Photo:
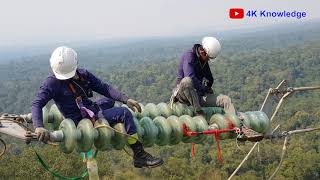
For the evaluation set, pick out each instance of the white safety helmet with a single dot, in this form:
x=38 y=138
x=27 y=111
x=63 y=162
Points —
x=212 y=46
x=64 y=62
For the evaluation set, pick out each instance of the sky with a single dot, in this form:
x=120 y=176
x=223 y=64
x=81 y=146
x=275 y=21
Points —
x=45 y=21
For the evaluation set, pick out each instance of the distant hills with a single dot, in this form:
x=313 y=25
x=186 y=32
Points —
x=274 y=36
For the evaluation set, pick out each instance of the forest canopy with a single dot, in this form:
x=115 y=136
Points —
x=248 y=66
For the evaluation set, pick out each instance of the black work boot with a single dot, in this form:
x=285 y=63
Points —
x=143 y=159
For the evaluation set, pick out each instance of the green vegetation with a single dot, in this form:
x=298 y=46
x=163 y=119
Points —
x=244 y=73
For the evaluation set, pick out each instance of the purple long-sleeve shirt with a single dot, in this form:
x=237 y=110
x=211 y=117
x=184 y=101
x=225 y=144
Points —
x=191 y=66
x=58 y=90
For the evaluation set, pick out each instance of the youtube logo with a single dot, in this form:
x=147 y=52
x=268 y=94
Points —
x=236 y=13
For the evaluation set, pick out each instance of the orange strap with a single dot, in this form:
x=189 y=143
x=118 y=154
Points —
x=78 y=98
x=72 y=88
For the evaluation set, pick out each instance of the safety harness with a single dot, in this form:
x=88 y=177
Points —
x=85 y=112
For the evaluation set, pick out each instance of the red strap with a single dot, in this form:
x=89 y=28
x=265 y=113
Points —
x=230 y=124
x=216 y=137
x=215 y=133
x=73 y=90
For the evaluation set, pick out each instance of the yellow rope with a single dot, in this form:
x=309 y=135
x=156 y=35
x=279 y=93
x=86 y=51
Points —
x=115 y=130
x=52 y=143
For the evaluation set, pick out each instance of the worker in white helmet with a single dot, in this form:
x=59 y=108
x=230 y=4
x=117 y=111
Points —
x=71 y=89
x=194 y=78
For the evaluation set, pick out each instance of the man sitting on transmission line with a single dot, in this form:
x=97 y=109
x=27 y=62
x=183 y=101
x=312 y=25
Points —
x=71 y=87
x=194 y=78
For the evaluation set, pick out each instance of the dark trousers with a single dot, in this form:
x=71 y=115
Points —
x=187 y=94
x=116 y=115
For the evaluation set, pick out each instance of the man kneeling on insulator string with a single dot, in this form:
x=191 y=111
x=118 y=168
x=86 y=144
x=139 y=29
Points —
x=195 y=80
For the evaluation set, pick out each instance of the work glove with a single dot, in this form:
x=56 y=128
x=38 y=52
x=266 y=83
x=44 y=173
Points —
x=42 y=134
x=134 y=105
x=29 y=137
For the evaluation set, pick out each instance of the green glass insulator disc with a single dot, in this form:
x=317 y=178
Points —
x=150 y=131
x=45 y=116
x=201 y=125
x=119 y=140
x=69 y=136
x=189 y=111
x=178 y=109
x=164 y=130
x=220 y=120
x=86 y=134
x=232 y=118
x=56 y=116
x=210 y=111
x=191 y=126
x=217 y=110
x=264 y=122
x=246 y=120
x=254 y=121
x=104 y=134
x=152 y=109
x=164 y=110
x=139 y=129
x=145 y=112
x=176 y=130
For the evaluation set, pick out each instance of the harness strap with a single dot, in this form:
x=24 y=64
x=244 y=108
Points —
x=73 y=89
x=84 y=111
x=192 y=151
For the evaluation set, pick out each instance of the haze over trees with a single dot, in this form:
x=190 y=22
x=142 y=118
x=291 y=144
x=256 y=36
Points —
x=249 y=64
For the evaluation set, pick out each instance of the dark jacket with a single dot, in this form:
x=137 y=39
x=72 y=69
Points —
x=58 y=90
x=191 y=66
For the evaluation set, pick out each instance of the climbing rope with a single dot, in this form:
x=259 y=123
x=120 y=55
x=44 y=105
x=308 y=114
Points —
x=284 y=148
x=117 y=131
x=244 y=159
x=238 y=145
